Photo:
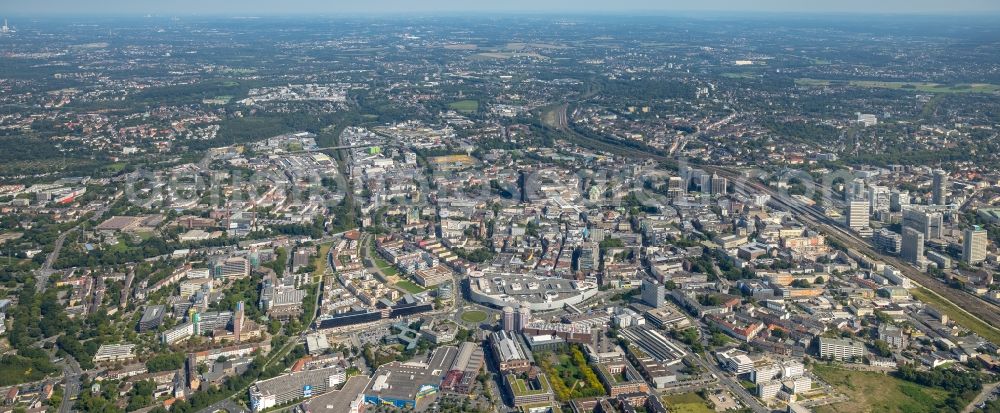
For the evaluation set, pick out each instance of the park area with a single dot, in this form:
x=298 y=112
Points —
x=464 y=106
x=570 y=374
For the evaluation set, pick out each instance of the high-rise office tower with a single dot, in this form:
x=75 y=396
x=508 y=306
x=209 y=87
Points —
x=857 y=215
x=719 y=185
x=508 y=319
x=653 y=293
x=939 y=190
x=879 y=198
x=522 y=316
x=913 y=245
x=974 y=245
x=930 y=223
x=899 y=200
x=855 y=190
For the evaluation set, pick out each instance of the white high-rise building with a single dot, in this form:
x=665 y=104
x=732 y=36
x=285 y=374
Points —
x=857 y=215
x=974 y=245
x=653 y=293
x=879 y=198
x=899 y=200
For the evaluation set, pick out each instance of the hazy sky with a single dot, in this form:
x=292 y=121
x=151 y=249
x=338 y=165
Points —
x=259 y=7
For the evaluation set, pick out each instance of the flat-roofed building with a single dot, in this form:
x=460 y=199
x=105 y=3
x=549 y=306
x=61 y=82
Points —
x=151 y=318
x=527 y=390
x=292 y=386
x=432 y=276
x=410 y=385
x=621 y=378
x=508 y=353
x=233 y=267
x=114 y=353
x=840 y=349
x=349 y=399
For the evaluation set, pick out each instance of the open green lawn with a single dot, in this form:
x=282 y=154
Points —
x=388 y=269
x=465 y=106
x=877 y=392
x=916 y=86
x=409 y=286
x=320 y=262
x=474 y=316
x=115 y=167
x=687 y=403
x=957 y=314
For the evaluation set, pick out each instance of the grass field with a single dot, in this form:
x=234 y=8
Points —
x=475 y=316
x=465 y=106
x=320 y=262
x=957 y=314
x=687 y=403
x=916 y=86
x=388 y=269
x=409 y=286
x=877 y=392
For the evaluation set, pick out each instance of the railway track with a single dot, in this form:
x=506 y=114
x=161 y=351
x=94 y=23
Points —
x=976 y=307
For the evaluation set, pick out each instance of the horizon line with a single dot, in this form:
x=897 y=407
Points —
x=646 y=13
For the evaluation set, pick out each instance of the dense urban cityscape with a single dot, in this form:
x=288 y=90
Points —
x=500 y=213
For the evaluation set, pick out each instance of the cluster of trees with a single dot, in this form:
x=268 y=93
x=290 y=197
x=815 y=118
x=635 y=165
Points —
x=572 y=370
x=313 y=230
x=278 y=265
x=952 y=380
x=165 y=361
x=689 y=336
x=245 y=290
x=478 y=255
x=29 y=364
x=124 y=253
x=141 y=395
x=729 y=271
x=83 y=353
x=801 y=283
x=804 y=131
x=647 y=90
